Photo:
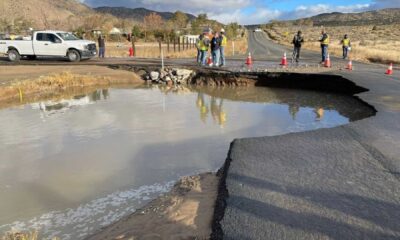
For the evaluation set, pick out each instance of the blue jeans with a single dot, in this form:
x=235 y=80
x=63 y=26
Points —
x=345 y=52
x=203 y=57
x=198 y=56
x=324 y=49
x=102 y=52
x=216 y=57
x=222 y=52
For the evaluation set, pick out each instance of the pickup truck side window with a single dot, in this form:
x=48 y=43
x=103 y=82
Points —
x=40 y=37
x=47 y=37
x=52 y=38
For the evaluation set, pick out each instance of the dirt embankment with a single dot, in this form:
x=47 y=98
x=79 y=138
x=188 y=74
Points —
x=25 y=84
x=184 y=213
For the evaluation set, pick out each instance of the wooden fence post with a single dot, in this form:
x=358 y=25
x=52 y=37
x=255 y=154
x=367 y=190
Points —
x=159 y=45
x=174 y=44
x=179 y=44
x=168 y=44
x=187 y=43
x=133 y=45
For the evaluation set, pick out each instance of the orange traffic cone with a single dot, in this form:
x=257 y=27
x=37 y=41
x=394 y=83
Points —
x=328 y=62
x=210 y=61
x=249 y=60
x=350 y=65
x=284 y=60
x=389 y=71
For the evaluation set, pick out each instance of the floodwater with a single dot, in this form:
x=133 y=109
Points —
x=69 y=167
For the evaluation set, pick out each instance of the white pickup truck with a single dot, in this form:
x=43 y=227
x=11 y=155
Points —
x=48 y=43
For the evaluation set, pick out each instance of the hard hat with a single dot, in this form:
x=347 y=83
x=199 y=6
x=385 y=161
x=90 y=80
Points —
x=222 y=30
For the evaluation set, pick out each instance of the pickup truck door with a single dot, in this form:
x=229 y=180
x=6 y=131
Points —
x=3 y=46
x=48 y=44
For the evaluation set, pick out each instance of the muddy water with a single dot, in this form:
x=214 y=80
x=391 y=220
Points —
x=70 y=167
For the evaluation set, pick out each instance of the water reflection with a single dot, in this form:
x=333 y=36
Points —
x=112 y=150
x=215 y=106
x=63 y=105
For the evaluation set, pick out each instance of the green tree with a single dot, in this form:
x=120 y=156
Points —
x=136 y=32
x=195 y=27
x=232 y=30
x=202 y=18
x=180 y=19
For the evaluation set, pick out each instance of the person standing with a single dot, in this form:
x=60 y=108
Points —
x=224 y=43
x=215 y=49
x=204 y=45
x=198 y=47
x=324 y=45
x=102 y=46
x=297 y=42
x=346 y=46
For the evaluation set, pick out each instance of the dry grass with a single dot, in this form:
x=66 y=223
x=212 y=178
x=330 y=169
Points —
x=53 y=84
x=381 y=44
x=151 y=50
x=22 y=236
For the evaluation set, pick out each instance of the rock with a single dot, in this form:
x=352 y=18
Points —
x=167 y=79
x=142 y=73
x=163 y=73
x=183 y=72
x=154 y=76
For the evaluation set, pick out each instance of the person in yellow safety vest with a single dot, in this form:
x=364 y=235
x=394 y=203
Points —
x=346 y=46
x=204 y=45
x=324 y=40
x=224 y=43
x=198 y=46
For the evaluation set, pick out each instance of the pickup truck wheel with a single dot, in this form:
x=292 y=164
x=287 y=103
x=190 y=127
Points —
x=73 y=56
x=13 y=55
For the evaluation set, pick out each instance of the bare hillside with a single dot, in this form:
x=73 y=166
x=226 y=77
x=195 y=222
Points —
x=137 y=14
x=42 y=13
x=379 y=17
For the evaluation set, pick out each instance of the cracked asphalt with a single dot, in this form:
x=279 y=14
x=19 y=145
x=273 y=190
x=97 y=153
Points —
x=339 y=183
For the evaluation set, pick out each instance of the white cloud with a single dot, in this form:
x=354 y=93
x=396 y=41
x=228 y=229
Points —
x=308 y=11
x=261 y=15
x=192 y=6
x=235 y=10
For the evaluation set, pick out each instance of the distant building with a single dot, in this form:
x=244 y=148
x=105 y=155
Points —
x=191 y=38
x=115 y=31
x=96 y=32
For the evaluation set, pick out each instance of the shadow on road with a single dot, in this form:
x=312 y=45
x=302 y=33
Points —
x=381 y=213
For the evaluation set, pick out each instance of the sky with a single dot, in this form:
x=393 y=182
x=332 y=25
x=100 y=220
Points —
x=251 y=11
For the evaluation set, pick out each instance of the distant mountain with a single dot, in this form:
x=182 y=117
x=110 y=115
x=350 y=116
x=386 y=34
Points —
x=42 y=12
x=378 y=17
x=136 y=14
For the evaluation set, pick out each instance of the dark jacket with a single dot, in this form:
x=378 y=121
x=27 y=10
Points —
x=216 y=43
x=102 y=43
x=298 y=41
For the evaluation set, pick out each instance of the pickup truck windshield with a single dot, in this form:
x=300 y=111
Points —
x=67 y=36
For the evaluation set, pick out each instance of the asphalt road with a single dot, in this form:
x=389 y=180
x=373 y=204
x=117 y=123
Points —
x=263 y=48
x=340 y=183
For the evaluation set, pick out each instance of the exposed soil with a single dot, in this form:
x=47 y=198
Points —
x=184 y=213
x=26 y=84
